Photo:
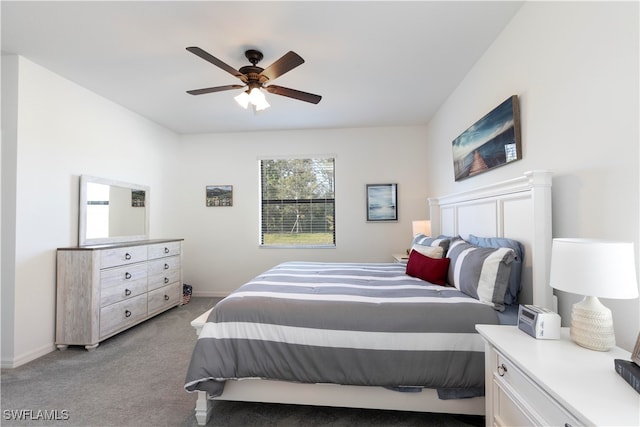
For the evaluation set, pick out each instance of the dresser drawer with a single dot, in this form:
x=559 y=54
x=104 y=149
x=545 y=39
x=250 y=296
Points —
x=164 y=297
x=164 y=279
x=533 y=403
x=122 y=291
x=119 y=315
x=163 y=272
x=115 y=282
x=164 y=265
x=160 y=250
x=121 y=256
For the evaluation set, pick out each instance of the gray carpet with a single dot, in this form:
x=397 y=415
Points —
x=136 y=379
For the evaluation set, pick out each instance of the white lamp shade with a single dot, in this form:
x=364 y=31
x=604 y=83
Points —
x=243 y=100
x=422 y=226
x=597 y=268
x=254 y=97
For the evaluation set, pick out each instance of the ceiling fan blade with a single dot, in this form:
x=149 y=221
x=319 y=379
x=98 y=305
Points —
x=213 y=89
x=218 y=63
x=292 y=93
x=286 y=63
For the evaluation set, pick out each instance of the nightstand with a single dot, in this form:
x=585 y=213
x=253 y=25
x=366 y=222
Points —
x=401 y=258
x=553 y=382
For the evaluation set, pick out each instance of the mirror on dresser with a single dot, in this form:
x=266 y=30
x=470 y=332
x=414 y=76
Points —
x=112 y=211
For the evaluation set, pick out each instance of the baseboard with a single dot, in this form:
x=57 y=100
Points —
x=27 y=357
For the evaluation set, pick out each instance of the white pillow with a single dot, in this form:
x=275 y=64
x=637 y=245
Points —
x=430 y=251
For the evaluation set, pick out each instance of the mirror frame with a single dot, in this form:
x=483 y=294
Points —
x=82 y=223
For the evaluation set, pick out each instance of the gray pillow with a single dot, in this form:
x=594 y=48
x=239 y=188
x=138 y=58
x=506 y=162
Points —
x=513 y=290
x=481 y=273
x=442 y=241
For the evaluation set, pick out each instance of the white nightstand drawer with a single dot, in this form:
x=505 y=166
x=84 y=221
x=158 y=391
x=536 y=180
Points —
x=506 y=411
x=534 y=402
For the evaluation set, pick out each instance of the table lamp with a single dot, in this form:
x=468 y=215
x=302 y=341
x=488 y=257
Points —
x=593 y=268
x=422 y=226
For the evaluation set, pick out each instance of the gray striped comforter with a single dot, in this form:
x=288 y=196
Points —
x=342 y=323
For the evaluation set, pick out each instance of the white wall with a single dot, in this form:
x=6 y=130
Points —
x=221 y=243
x=574 y=66
x=63 y=131
x=7 y=228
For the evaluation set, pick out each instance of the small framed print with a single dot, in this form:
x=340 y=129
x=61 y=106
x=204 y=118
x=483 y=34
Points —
x=635 y=356
x=138 y=198
x=219 y=195
x=382 y=202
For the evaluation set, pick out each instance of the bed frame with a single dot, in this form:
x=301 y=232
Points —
x=520 y=209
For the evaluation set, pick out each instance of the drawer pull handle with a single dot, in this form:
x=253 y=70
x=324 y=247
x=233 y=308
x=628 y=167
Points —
x=127 y=256
x=166 y=266
x=127 y=313
x=127 y=292
x=567 y=425
x=502 y=369
x=166 y=280
x=127 y=275
x=166 y=250
x=166 y=297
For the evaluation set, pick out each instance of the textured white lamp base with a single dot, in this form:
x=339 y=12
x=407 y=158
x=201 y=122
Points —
x=592 y=325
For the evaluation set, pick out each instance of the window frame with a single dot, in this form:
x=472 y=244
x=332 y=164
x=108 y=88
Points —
x=302 y=201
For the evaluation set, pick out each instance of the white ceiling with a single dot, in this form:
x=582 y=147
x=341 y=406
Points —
x=374 y=63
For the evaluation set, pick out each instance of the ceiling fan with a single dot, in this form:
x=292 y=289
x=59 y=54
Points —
x=256 y=78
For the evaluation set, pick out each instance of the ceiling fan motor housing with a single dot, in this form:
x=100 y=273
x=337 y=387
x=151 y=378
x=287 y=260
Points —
x=254 y=56
x=252 y=72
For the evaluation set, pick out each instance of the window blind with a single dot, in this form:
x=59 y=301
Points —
x=297 y=202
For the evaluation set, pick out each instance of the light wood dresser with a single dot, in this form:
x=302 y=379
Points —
x=104 y=289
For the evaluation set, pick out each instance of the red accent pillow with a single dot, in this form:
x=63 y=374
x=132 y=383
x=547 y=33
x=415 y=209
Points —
x=430 y=269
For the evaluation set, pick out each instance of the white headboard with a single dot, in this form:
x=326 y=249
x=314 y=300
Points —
x=518 y=209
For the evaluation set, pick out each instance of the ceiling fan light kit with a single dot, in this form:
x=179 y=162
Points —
x=255 y=78
x=255 y=97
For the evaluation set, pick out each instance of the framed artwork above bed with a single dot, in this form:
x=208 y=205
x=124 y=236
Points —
x=382 y=202
x=492 y=141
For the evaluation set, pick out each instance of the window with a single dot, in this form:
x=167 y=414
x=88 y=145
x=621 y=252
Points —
x=297 y=202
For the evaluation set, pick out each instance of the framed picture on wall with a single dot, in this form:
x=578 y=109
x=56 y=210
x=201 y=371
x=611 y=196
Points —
x=219 y=195
x=382 y=202
x=138 y=198
x=492 y=141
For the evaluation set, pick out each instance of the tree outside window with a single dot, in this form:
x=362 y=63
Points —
x=298 y=204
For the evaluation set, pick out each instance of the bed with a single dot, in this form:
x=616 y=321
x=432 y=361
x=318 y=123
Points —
x=385 y=339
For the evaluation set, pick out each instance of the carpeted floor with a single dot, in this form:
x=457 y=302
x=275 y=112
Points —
x=136 y=379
